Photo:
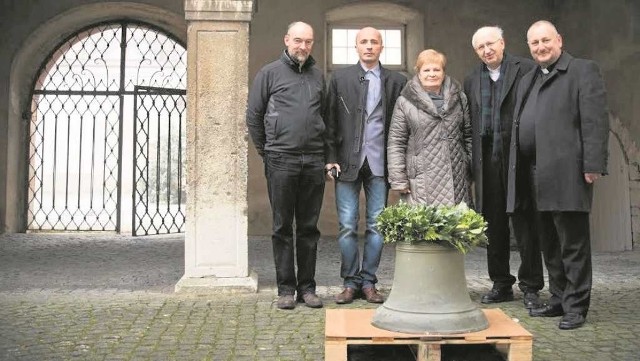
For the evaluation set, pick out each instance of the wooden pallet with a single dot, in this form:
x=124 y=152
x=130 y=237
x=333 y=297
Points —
x=345 y=327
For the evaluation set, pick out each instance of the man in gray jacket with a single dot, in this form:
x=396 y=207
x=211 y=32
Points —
x=284 y=117
x=360 y=103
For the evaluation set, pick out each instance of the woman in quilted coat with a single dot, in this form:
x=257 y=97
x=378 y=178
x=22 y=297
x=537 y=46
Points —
x=429 y=148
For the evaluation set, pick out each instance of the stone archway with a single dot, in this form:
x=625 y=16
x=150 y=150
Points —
x=24 y=69
x=616 y=210
x=611 y=212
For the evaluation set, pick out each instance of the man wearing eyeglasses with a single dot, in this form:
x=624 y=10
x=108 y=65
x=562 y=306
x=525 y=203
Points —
x=284 y=117
x=491 y=89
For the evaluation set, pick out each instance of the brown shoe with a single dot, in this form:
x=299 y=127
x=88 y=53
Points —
x=372 y=295
x=346 y=296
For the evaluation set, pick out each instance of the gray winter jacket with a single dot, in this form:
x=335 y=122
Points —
x=428 y=151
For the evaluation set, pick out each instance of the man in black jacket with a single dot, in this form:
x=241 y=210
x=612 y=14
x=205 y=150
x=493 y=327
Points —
x=284 y=117
x=491 y=89
x=360 y=103
x=559 y=148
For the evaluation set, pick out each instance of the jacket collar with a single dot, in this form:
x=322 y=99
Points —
x=416 y=95
x=285 y=58
x=510 y=65
x=561 y=65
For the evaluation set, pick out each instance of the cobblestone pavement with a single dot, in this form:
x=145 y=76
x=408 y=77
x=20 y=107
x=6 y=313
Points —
x=97 y=297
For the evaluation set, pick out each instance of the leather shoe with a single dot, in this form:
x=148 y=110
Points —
x=372 y=295
x=531 y=300
x=310 y=300
x=346 y=296
x=497 y=295
x=546 y=311
x=571 y=320
x=286 y=302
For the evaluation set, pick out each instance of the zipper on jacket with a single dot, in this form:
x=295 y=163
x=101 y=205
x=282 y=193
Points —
x=345 y=105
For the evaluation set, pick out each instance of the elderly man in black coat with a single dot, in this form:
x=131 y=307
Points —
x=558 y=149
x=491 y=89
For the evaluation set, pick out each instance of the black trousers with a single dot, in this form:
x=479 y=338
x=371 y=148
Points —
x=295 y=185
x=566 y=245
x=567 y=251
x=530 y=274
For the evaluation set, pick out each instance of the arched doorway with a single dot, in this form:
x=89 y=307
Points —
x=610 y=217
x=34 y=51
x=106 y=133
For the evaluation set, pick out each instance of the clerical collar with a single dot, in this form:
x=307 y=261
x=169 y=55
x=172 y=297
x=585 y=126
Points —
x=494 y=73
x=548 y=69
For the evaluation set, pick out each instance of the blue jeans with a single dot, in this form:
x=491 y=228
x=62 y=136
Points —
x=295 y=184
x=348 y=205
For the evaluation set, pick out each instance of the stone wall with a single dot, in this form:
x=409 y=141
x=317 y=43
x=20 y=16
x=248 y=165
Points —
x=608 y=32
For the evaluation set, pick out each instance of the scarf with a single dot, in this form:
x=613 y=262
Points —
x=491 y=127
x=438 y=101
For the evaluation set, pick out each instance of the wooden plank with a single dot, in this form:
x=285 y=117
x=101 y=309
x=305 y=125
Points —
x=335 y=350
x=357 y=323
x=520 y=351
x=429 y=352
x=345 y=327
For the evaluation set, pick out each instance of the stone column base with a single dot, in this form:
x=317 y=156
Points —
x=215 y=285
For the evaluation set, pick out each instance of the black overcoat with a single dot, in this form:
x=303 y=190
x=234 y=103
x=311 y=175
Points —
x=571 y=135
x=516 y=68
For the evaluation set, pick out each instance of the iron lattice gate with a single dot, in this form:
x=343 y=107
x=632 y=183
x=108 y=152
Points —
x=81 y=120
x=159 y=144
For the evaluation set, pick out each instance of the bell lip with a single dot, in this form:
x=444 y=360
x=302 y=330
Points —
x=431 y=333
x=472 y=321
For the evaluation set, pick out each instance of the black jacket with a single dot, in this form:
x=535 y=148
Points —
x=571 y=133
x=284 y=111
x=516 y=67
x=345 y=112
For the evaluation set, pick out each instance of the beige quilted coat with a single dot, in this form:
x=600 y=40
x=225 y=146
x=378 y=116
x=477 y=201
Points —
x=429 y=152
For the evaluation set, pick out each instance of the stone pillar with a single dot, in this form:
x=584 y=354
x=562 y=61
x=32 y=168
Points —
x=216 y=249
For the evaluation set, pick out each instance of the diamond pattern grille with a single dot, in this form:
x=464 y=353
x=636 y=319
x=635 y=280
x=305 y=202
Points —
x=82 y=106
x=159 y=145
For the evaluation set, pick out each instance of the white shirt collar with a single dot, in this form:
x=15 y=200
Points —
x=495 y=73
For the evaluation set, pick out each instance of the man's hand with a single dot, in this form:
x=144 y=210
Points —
x=327 y=169
x=591 y=177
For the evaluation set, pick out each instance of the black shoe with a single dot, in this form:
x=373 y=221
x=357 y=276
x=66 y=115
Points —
x=531 y=300
x=546 y=311
x=497 y=295
x=571 y=320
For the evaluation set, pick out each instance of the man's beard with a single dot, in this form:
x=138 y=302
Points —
x=300 y=57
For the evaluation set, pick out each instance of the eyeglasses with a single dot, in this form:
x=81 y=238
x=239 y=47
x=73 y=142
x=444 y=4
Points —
x=487 y=45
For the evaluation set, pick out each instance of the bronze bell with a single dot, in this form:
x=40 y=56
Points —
x=429 y=293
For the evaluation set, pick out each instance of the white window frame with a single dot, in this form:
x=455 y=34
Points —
x=357 y=25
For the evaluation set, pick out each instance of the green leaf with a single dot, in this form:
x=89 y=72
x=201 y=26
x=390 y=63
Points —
x=457 y=225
